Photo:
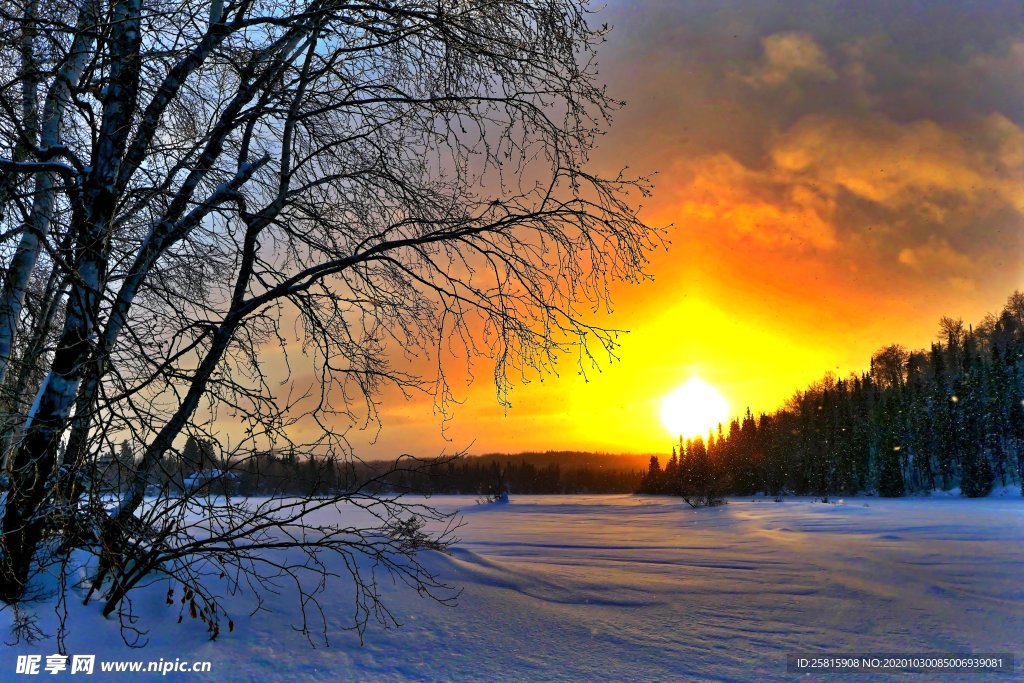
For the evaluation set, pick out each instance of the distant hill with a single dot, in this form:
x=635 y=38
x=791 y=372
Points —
x=565 y=460
x=570 y=460
x=530 y=472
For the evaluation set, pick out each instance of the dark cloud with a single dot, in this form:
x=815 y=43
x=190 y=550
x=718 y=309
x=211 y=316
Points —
x=945 y=61
x=887 y=133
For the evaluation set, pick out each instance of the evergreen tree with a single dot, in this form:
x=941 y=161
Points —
x=890 y=474
x=652 y=481
x=191 y=456
x=670 y=477
x=891 y=483
x=976 y=479
x=699 y=485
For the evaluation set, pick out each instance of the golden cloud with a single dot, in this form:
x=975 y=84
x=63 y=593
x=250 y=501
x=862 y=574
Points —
x=924 y=173
x=936 y=256
x=723 y=195
x=937 y=259
x=788 y=57
x=918 y=165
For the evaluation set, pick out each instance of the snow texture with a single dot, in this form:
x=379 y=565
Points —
x=636 y=588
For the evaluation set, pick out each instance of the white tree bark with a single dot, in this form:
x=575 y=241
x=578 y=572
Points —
x=37 y=228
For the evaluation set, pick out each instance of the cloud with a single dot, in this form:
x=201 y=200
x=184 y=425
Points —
x=938 y=260
x=724 y=196
x=963 y=284
x=1002 y=65
x=918 y=164
x=935 y=256
x=930 y=185
x=790 y=57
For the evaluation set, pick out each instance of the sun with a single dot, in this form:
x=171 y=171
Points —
x=693 y=409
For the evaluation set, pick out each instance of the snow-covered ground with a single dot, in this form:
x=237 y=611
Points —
x=643 y=588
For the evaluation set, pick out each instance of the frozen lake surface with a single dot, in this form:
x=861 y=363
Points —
x=645 y=588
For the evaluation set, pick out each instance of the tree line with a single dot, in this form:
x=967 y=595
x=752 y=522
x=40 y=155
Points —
x=915 y=422
x=200 y=468
x=514 y=475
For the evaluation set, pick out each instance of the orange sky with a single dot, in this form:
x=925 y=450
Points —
x=837 y=176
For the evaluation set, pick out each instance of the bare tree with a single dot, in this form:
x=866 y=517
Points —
x=889 y=366
x=182 y=184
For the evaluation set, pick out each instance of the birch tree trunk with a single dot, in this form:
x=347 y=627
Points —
x=37 y=227
x=33 y=464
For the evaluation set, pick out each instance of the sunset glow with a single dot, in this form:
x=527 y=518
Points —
x=827 y=188
x=693 y=409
